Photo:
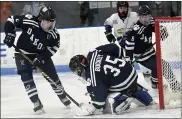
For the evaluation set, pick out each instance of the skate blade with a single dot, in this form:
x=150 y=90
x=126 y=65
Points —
x=40 y=112
x=68 y=107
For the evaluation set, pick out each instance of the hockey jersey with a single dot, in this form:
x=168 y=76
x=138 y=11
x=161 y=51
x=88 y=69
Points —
x=108 y=73
x=138 y=41
x=33 y=38
x=119 y=25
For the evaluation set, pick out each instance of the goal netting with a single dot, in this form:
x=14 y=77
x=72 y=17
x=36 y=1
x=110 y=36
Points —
x=168 y=49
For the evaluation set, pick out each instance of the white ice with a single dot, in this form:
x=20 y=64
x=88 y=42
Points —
x=16 y=104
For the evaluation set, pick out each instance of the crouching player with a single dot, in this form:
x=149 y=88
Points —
x=109 y=79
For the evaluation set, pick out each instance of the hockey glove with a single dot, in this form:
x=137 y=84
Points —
x=163 y=33
x=122 y=43
x=110 y=37
x=9 y=39
x=128 y=59
x=38 y=61
x=89 y=109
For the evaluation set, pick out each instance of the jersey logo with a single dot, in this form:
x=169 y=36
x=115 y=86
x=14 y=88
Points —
x=136 y=27
x=44 y=9
x=27 y=87
x=16 y=20
x=120 y=31
x=115 y=22
x=22 y=62
x=29 y=16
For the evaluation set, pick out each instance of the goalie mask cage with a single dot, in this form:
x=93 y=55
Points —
x=168 y=51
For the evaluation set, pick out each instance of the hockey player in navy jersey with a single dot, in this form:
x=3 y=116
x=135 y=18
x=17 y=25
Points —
x=108 y=76
x=39 y=40
x=138 y=44
x=138 y=40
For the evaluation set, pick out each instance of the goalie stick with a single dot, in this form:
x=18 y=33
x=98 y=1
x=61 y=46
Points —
x=47 y=77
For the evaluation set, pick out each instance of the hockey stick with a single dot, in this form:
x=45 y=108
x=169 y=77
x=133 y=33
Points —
x=46 y=76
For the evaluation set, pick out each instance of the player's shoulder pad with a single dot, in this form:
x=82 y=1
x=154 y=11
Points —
x=30 y=20
x=54 y=33
x=114 y=16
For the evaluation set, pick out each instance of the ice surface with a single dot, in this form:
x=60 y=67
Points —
x=16 y=104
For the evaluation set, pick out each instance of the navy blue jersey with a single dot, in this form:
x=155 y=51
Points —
x=139 y=40
x=33 y=38
x=108 y=73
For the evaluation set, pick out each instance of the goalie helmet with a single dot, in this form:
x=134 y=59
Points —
x=122 y=13
x=47 y=18
x=78 y=64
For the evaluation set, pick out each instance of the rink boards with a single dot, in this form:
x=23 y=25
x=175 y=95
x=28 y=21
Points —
x=72 y=41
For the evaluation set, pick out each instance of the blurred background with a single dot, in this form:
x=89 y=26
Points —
x=84 y=13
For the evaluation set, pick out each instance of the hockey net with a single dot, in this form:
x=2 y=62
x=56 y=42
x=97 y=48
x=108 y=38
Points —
x=168 y=49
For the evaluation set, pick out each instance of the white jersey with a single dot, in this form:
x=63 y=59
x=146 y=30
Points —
x=119 y=26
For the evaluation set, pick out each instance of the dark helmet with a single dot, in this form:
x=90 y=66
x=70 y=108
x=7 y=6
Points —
x=144 y=13
x=47 y=13
x=77 y=64
x=122 y=4
x=144 y=10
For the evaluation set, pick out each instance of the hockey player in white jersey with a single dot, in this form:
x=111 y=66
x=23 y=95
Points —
x=120 y=21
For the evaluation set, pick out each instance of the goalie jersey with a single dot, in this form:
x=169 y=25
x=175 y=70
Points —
x=138 y=40
x=33 y=38
x=108 y=73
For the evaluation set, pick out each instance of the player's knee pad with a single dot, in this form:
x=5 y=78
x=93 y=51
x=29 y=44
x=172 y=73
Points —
x=142 y=96
x=25 y=76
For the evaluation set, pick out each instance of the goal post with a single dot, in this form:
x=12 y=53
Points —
x=168 y=51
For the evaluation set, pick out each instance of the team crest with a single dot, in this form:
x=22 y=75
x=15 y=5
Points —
x=136 y=27
x=115 y=22
x=120 y=31
x=29 y=16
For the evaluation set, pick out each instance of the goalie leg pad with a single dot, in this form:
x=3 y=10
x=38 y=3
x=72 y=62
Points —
x=143 y=97
x=116 y=103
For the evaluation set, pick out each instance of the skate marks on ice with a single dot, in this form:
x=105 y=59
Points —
x=16 y=104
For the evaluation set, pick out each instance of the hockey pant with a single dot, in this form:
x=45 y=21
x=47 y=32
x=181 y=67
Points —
x=151 y=64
